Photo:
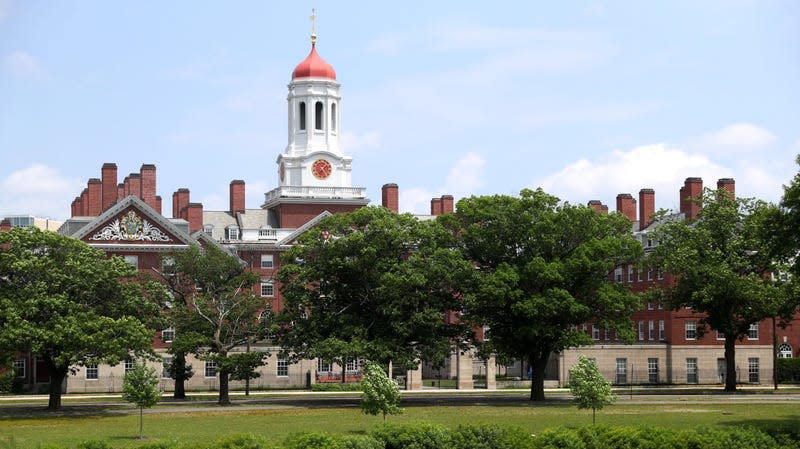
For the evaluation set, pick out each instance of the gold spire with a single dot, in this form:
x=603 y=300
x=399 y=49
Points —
x=313 y=26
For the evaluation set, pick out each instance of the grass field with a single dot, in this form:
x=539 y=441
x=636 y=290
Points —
x=204 y=424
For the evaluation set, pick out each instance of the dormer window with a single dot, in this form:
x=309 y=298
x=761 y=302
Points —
x=232 y=232
x=208 y=229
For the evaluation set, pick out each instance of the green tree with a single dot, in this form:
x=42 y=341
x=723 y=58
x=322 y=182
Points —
x=140 y=387
x=721 y=268
x=783 y=226
x=70 y=305
x=544 y=269
x=372 y=284
x=244 y=364
x=380 y=393
x=589 y=388
x=218 y=310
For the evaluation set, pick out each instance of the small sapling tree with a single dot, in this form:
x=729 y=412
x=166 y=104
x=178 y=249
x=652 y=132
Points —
x=141 y=388
x=381 y=394
x=589 y=388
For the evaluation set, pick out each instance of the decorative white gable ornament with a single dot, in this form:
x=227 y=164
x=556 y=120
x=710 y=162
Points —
x=131 y=227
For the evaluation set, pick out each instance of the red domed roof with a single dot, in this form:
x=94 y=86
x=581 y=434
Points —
x=314 y=67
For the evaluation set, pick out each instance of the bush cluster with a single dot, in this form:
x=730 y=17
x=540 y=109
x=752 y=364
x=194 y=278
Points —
x=431 y=436
x=789 y=370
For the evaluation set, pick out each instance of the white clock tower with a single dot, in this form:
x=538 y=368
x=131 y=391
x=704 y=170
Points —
x=313 y=167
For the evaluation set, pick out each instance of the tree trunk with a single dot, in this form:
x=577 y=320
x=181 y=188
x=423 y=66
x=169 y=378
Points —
x=179 y=369
x=224 y=397
x=57 y=376
x=141 y=422
x=537 y=378
x=730 y=362
x=594 y=412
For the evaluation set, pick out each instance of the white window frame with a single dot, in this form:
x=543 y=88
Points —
x=785 y=351
x=129 y=364
x=232 y=232
x=651 y=330
x=595 y=332
x=208 y=367
x=752 y=333
x=267 y=261
x=19 y=367
x=661 y=331
x=753 y=374
x=267 y=289
x=630 y=273
x=92 y=372
x=691 y=371
x=324 y=366
x=690 y=330
x=132 y=260
x=168 y=335
x=621 y=371
x=618 y=274
x=652 y=370
x=208 y=229
x=641 y=330
x=282 y=368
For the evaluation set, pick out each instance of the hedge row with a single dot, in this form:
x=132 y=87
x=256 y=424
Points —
x=430 y=436
x=789 y=370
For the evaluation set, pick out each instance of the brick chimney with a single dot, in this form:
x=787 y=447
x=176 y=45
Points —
x=75 y=209
x=236 y=196
x=135 y=184
x=120 y=191
x=179 y=201
x=5 y=225
x=147 y=188
x=596 y=205
x=194 y=215
x=647 y=207
x=84 y=202
x=691 y=197
x=95 y=196
x=390 y=197
x=436 y=206
x=729 y=185
x=158 y=205
x=447 y=204
x=126 y=183
x=626 y=205
x=108 y=175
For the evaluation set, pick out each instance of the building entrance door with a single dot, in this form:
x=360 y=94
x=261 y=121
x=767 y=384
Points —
x=722 y=369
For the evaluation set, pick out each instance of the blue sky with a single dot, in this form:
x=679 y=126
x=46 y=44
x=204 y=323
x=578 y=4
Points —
x=585 y=99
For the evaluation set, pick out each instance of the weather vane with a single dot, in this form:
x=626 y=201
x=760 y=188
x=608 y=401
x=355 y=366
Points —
x=313 y=26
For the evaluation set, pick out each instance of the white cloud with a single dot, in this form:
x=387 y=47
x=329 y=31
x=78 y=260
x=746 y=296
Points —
x=215 y=201
x=656 y=166
x=738 y=137
x=23 y=65
x=464 y=178
x=38 y=190
x=352 y=142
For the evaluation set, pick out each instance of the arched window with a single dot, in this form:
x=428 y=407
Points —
x=333 y=117
x=318 y=115
x=265 y=320
x=784 y=351
x=302 y=115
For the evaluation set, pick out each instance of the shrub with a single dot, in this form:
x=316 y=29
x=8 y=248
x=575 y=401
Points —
x=311 y=440
x=558 y=438
x=789 y=370
x=241 y=441
x=491 y=437
x=414 y=436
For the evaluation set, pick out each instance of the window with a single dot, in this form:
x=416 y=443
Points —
x=232 y=232
x=352 y=364
x=132 y=260
x=641 y=275
x=208 y=229
x=282 y=367
x=784 y=351
x=333 y=117
x=168 y=334
x=661 y=334
x=265 y=319
x=92 y=373
x=130 y=364
x=752 y=333
x=691 y=371
x=651 y=330
x=19 y=367
x=266 y=261
x=622 y=371
x=486 y=332
x=631 y=272
x=595 y=332
x=267 y=289
x=302 y=116
x=650 y=304
x=210 y=369
x=720 y=335
x=608 y=334
x=618 y=274
x=323 y=366
x=166 y=362
x=650 y=274
x=690 y=327
x=266 y=232
x=652 y=371
x=318 y=115
x=660 y=306
x=752 y=369
x=641 y=330
x=660 y=274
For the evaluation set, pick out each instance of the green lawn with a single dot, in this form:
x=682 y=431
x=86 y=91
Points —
x=194 y=425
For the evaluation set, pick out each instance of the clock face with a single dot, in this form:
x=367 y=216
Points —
x=321 y=169
x=282 y=171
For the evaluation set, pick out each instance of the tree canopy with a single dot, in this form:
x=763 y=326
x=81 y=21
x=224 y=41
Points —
x=140 y=387
x=372 y=284
x=216 y=309
x=544 y=268
x=70 y=305
x=588 y=387
x=381 y=394
x=722 y=268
